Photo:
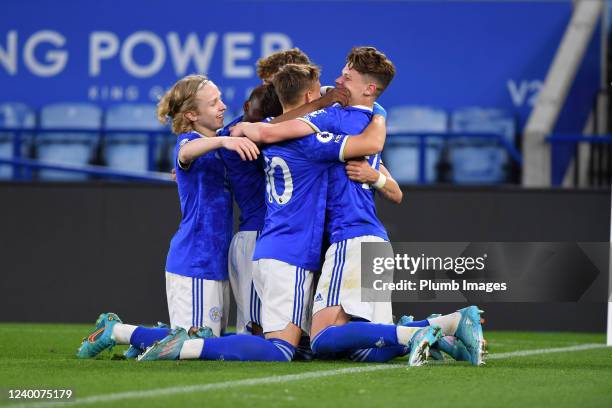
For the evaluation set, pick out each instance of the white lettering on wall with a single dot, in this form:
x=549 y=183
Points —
x=102 y=45
x=8 y=55
x=183 y=54
x=55 y=59
x=525 y=92
x=127 y=54
x=273 y=42
x=44 y=52
x=235 y=49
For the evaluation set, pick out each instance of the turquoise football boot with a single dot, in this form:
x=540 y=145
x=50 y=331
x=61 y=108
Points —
x=434 y=351
x=168 y=348
x=469 y=331
x=421 y=342
x=132 y=352
x=404 y=320
x=100 y=338
x=452 y=346
x=203 y=332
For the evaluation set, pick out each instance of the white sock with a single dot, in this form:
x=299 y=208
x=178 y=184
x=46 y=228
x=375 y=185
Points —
x=404 y=334
x=448 y=323
x=192 y=349
x=122 y=333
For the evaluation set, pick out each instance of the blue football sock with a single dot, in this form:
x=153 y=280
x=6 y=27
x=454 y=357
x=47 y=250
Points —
x=378 y=355
x=144 y=337
x=417 y=323
x=244 y=347
x=354 y=336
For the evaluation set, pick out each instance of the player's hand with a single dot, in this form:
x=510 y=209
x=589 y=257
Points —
x=173 y=174
x=238 y=129
x=339 y=95
x=241 y=145
x=379 y=110
x=361 y=171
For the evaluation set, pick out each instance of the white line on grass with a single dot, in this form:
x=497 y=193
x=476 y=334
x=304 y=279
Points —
x=275 y=379
x=523 y=353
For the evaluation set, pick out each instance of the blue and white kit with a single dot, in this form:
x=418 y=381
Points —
x=289 y=247
x=350 y=220
x=248 y=186
x=197 y=284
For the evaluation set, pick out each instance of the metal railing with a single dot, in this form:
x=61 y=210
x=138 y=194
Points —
x=22 y=135
x=597 y=177
x=422 y=137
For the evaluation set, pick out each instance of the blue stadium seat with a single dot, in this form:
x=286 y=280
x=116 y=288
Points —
x=480 y=161
x=129 y=151
x=68 y=148
x=401 y=155
x=14 y=115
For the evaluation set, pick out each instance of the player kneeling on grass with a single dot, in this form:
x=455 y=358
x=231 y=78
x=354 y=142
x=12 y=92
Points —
x=351 y=219
x=196 y=267
x=290 y=244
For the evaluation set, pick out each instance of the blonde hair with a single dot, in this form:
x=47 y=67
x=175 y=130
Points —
x=178 y=100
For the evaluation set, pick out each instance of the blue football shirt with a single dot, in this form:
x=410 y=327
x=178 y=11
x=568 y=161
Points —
x=200 y=246
x=296 y=195
x=351 y=210
x=248 y=184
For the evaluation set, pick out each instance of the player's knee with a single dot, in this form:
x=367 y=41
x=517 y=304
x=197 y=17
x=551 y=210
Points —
x=330 y=316
x=291 y=334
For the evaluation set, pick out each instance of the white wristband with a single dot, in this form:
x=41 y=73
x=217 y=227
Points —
x=380 y=183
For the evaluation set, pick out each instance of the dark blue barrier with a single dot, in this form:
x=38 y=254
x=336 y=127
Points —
x=19 y=132
x=98 y=171
x=423 y=136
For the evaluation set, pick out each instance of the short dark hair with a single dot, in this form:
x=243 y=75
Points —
x=268 y=66
x=373 y=63
x=292 y=80
x=270 y=104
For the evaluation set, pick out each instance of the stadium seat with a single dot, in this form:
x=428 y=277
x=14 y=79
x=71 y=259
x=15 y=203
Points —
x=129 y=151
x=68 y=148
x=401 y=154
x=480 y=161
x=14 y=115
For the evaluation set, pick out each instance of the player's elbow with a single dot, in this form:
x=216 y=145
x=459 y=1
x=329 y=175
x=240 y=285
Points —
x=373 y=147
x=185 y=156
x=397 y=197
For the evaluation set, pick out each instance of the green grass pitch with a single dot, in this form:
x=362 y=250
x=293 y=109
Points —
x=39 y=356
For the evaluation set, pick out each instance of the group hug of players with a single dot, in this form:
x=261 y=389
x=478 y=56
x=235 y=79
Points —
x=303 y=169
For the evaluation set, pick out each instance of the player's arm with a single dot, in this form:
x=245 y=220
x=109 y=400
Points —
x=334 y=95
x=371 y=141
x=361 y=172
x=195 y=148
x=272 y=133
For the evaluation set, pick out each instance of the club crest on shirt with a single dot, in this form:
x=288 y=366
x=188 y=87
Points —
x=324 y=137
x=215 y=314
x=183 y=142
